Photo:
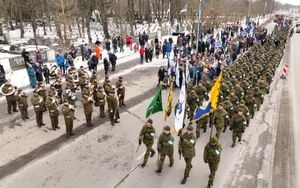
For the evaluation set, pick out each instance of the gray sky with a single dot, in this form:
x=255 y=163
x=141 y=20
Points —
x=293 y=2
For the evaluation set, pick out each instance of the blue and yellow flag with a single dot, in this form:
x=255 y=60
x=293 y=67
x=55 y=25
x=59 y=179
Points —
x=212 y=103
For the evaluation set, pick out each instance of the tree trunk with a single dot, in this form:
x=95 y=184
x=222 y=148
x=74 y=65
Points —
x=88 y=29
x=21 y=21
x=103 y=18
x=1 y=29
x=83 y=26
x=58 y=29
x=78 y=27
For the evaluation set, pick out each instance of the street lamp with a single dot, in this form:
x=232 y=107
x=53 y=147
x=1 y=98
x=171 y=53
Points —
x=198 y=25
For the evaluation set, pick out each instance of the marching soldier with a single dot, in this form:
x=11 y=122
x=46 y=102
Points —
x=147 y=136
x=23 y=105
x=113 y=107
x=238 y=126
x=192 y=100
x=120 y=91
x=38 y=105
x=9 y=91
x=165 y=147
x=227 y=105
x=87 y=102
x=219 y=120
x=212 y=155
x=52 y=105
x=250 y=103
x=68 y=112
x=186 y=148
x=101 y=99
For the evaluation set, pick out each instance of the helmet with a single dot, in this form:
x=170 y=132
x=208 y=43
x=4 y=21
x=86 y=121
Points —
x=189 y=128
x=150 y=121
x=167 y=128
x=213 y=141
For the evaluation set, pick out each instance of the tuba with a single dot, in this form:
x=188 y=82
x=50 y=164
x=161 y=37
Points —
x=10 y=91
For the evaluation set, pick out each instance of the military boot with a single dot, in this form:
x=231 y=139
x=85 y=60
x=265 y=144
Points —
x=158 y=171
x=152 y=153
x=143 y=164
x=183 y=180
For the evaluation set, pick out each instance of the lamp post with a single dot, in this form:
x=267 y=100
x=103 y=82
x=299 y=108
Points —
x=198 y=25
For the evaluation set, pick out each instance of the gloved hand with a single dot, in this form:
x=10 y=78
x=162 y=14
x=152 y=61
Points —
x=205 y=161
x=140 y=141
x=230 y=128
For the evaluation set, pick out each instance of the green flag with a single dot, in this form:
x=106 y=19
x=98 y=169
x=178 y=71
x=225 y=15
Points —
x=156 y=104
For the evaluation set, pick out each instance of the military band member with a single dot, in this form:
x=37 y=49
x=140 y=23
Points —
x=9 y=91
x=113 y=107
x=52 y=106
x=87 y=102
x=120 y=91
x=68 y=112
x=23 y=105
x=101 y=99
x=38 y=105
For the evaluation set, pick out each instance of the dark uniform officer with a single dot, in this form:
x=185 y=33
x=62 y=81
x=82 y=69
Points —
x=113 y=107
x=87 y=102
x=23 y=105
x=120 y=91
x=165 y=147
x=212 y=155
x=238 y=125
x=68 y=112
x=101 y=99
x=147 y=136
x=187 y=149
x=38 y=105
x=52 y=105
x=10 y=99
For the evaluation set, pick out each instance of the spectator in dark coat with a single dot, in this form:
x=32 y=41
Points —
x=39 y=72
x=106 y=66
x=2 y=75
x=46 y=73
x=113 y=61
x=161 y=74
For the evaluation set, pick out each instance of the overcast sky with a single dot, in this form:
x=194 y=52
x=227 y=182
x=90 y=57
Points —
x=293 y=2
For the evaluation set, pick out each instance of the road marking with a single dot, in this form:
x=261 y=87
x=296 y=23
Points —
x=140 y=156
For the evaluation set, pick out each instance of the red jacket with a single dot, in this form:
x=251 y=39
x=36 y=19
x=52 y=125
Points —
x=142 y=51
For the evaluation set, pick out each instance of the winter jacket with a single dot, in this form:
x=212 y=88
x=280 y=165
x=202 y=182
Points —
x=60 y=60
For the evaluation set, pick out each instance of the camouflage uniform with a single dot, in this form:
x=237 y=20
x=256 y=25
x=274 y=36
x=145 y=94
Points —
x=147 y=136
x=165 y=147
x=212 y=155
x=219 y=120
x=187 y=149
x=238 y=127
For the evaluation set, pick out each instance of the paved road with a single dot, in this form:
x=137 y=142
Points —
x=292 y=96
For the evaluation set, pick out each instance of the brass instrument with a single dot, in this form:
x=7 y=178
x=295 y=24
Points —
x=11 y=90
